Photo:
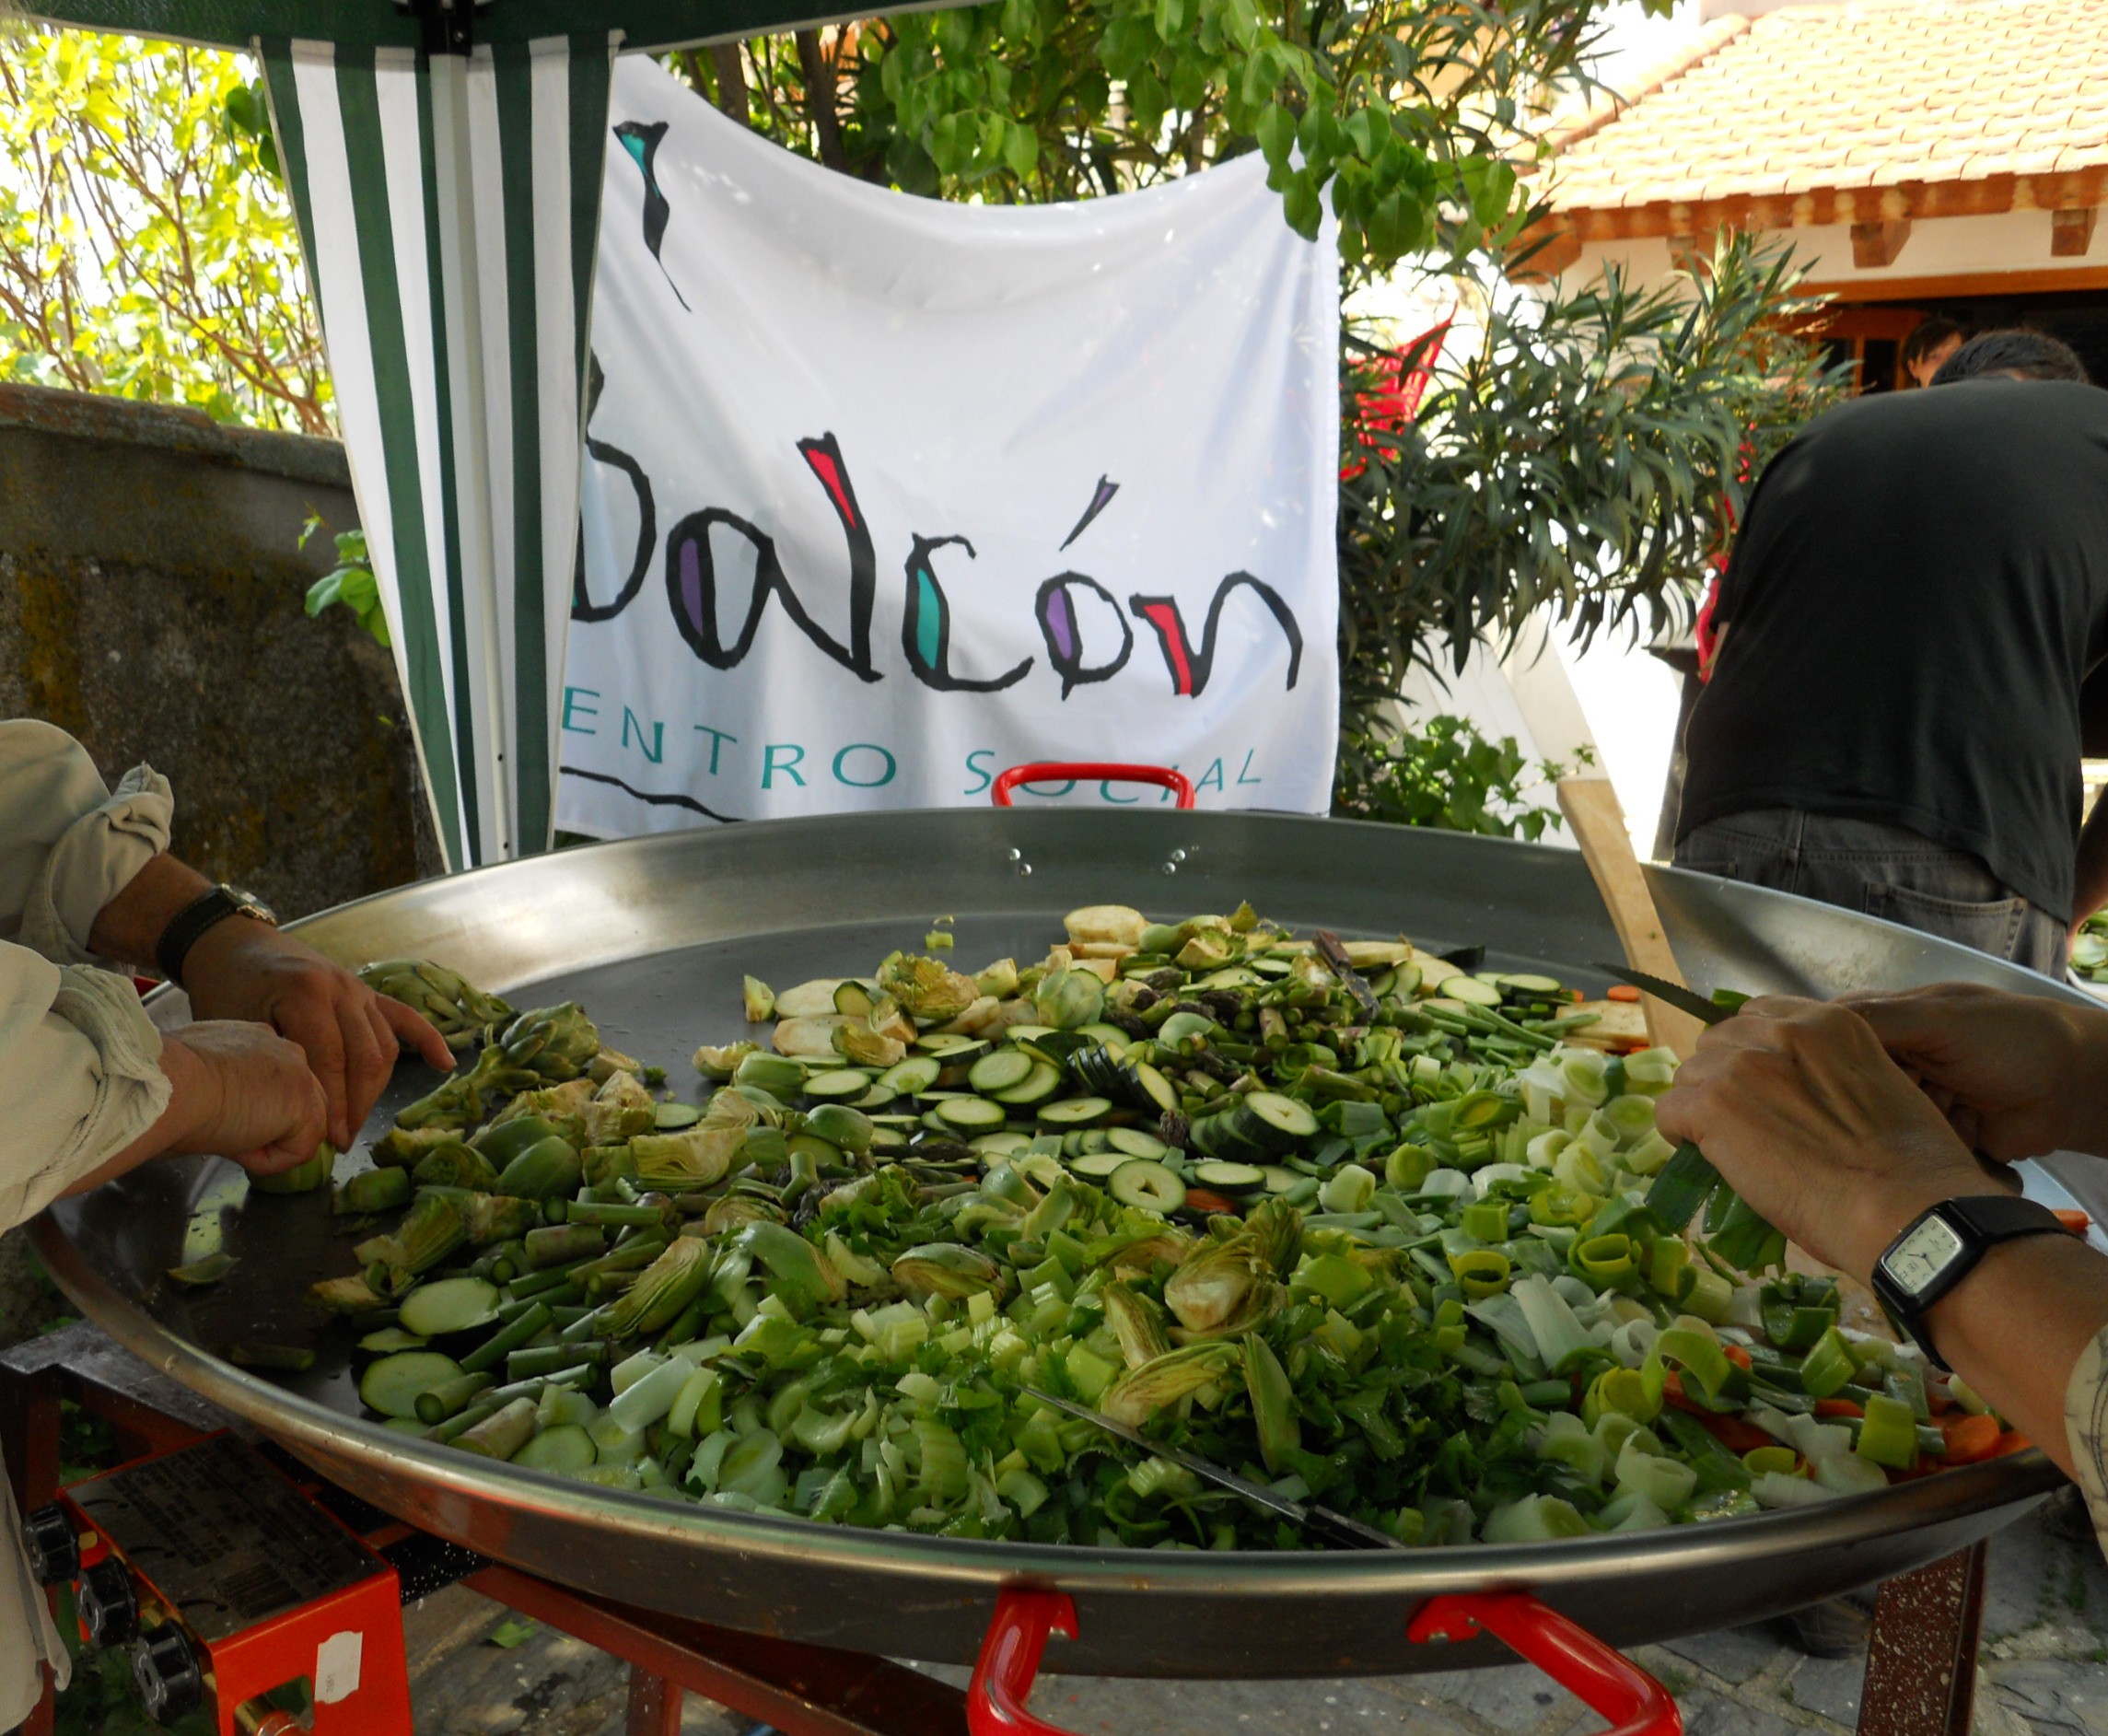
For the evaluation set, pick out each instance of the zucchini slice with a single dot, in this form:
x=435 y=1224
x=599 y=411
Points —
x=972 y=1114
x=878 y=1097
x=1040 y=1084
x=852 y=997
x=565 y=1448
x=1000 y=1145
x=1098 y=1165
x=1149 y=1186
x=449 y=1305
x=1000 y=1069
x=1278 y=1180
x=1274 y=1122
x=1135 y=1143
x=1229 y=1178
x=839 y=1083
x=912 y=1075
x=1159 y=1090
x=954 y=1050
x=1525 y=983
x=673 y=1117
x=1110 y=1034
x=391 y=1384
x=1076 y=1111
x=1472 y=992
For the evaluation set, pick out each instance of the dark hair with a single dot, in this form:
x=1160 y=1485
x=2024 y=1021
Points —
x=1927 y=336
x=2028 y=355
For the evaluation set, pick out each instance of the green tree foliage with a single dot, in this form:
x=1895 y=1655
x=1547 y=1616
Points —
x=1406 y=118
x=145 y=249
x=1590 y=454
x=1446 y=774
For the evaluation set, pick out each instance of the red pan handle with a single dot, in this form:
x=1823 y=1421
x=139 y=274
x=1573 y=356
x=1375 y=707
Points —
x=1010 y=1655
x=1633 y=1701
x=1091 y=771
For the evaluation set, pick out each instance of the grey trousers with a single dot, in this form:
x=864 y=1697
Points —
x=1886 y=871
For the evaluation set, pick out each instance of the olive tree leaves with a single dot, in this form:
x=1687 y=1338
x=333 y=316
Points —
x=1590 y=454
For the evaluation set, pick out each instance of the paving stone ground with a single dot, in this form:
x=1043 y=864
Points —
x=2044 y=1673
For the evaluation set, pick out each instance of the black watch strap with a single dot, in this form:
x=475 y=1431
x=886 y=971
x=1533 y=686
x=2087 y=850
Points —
x=1982 y=1221
x=188 y=926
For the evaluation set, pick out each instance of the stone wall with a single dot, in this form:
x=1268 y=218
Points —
x=151 y=603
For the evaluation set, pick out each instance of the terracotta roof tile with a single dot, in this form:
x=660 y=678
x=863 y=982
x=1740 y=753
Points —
x=1873 y=93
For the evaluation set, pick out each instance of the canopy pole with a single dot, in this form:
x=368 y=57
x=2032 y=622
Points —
x=461 y=287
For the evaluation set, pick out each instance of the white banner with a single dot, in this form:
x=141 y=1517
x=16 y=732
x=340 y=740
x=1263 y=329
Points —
x=885 y=495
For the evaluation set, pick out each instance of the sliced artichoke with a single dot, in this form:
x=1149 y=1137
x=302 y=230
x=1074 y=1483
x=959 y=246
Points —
x=1069 y=998
x=722 y=1063
x=1137 y=1323
x=1141 y=1392
x=929 y=991
x=695 y=1157
x=662 y=1290
x=856 y=1041
x=999 y=980
x=948 y=1269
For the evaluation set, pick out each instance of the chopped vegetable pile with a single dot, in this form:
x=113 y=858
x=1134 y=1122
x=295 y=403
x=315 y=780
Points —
x=2090 y=951
x=1402 y=1262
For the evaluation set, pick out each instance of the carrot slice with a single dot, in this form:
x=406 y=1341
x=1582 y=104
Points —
x=1621 y=991
x=2077 y=1222
x=2012 y=1440
x=1837 y=1407
x=1738 y=1356
x=1201 y=1199
x=1970 y=1438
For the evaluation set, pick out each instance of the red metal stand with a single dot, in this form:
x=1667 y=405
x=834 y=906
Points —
x=1091 y=771
x=1607 y=1680
x=1633 y=1701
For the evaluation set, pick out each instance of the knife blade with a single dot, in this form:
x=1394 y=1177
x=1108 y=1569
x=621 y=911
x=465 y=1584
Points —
x=1306 y=1516
x=1685 y=1000
x=1328 y=943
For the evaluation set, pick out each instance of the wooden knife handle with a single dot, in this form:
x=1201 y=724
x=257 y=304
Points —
x=1592 y=807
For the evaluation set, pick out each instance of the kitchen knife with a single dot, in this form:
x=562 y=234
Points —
x=1335 y=955
x=1309 y=1517
x=1685 y=1000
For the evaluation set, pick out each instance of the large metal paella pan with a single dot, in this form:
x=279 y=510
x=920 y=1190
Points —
x=653 y=937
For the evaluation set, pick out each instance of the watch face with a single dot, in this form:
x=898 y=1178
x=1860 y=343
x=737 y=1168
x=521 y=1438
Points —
x=249 y=904
x=1922 y=1255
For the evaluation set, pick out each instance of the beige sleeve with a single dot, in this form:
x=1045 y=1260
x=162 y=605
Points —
x=69 y=845
x=2086 y=1426
x=80 y=1076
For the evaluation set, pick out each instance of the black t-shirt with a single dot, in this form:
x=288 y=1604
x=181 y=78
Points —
x=1919 y=590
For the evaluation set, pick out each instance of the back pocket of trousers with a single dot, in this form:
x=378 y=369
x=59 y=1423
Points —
x=1992 y=927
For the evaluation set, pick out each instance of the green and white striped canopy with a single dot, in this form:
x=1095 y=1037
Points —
x=449 y=207
x=446 y=181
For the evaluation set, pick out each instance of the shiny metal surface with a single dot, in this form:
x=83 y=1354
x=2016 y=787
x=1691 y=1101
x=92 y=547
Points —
x=653 y=936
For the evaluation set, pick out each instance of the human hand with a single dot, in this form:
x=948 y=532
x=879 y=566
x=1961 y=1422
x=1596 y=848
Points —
x=1798 y=1106
x=245 y=970
x=241 y=1091
x=2015 y=1075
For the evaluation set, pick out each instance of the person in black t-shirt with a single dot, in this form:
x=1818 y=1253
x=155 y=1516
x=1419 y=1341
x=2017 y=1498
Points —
x=1918 y=593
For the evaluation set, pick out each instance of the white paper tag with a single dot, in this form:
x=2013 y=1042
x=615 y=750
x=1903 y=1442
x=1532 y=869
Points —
x=337 y=1660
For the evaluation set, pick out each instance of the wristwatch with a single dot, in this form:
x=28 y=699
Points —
x=1940 y=1246
x=189 y=925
